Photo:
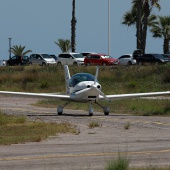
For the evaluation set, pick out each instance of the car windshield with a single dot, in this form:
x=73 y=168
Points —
x=46 y=56
x=78 y=55
x=106 y=56
x=77 y=78
x=160 y=56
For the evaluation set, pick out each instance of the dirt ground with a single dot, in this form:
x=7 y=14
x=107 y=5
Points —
x=145 y=143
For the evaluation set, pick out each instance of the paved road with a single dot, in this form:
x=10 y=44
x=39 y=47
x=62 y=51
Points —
x=145 y=143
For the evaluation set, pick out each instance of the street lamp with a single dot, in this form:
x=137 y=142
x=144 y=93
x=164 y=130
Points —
x=108 y=27
x=9 y=47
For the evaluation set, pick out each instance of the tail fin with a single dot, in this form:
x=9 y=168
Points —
x=67 y=78
x=97 y=72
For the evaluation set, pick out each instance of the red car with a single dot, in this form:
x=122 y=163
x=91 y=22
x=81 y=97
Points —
x=100 y=59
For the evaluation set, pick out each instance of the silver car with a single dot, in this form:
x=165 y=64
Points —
x=70 y=59
x=126 y=59
x=41 y=59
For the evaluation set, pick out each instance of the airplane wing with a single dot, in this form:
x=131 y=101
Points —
x=134 y=95
x=37 y=95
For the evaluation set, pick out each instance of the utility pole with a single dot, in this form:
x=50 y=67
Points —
x=108 y=27
x=9 y=48
x=73 y=28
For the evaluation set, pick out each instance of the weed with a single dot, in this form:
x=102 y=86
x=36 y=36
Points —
x=121 y=163
x=127 y=126
x=94 y=124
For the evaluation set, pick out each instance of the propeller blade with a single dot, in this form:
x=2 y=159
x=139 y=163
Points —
x=103 y=95
x=83 y=90
x=96 y=76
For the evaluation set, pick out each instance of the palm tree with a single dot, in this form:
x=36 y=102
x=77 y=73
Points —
x=19 y=50
x=147 y=8
x=162 y=30
x=140 y=14
x=73 y=27
x=64 y=45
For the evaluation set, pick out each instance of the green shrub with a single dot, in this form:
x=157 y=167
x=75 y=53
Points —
x=121 y=163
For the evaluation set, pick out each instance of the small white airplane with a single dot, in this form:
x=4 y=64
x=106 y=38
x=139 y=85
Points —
x=83 y=87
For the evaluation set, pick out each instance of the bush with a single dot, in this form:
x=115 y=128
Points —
x=121 y=163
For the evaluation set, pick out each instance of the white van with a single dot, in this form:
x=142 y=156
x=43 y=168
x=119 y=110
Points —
x=70 y=59
x=41 y=59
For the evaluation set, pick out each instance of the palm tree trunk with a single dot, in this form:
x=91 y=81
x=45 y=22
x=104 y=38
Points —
x=166 y=45
x=145 y=25
x=138 y=24
x=73 y=28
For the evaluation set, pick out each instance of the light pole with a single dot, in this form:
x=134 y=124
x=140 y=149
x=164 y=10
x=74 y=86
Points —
x=9 y=47
x=108 y=27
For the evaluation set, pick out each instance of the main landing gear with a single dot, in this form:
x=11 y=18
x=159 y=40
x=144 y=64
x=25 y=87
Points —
x=106 y=109
x=60 y=108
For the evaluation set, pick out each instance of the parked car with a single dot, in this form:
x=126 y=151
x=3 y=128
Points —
x=41 y=59
x=152 y=59
x=17 y=60
x=100 y=59
x=70 y=59
x=127 y=59
x=86 y=53
x=54 y=56
x=137 y=53
x=167 y=54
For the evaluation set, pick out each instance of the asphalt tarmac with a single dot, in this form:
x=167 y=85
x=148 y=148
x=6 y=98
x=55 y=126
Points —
x=145 y=143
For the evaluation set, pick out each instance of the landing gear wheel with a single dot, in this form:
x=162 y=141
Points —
x=60 y=110
x=90 y=109
x=106 y=110
x=90 y=114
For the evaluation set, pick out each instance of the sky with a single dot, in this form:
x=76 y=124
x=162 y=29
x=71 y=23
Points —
x=37 y=24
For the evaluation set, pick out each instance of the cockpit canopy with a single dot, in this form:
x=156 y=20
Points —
x=77 y=78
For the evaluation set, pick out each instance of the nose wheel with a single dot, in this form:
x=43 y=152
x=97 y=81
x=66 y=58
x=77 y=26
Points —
x=90 y=109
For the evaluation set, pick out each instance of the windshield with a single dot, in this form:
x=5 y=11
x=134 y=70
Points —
x=78 y=55
x=77 y=78
x=46 y=56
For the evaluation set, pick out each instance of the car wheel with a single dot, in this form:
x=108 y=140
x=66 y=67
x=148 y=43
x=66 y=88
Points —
x=104 y=64
x=59 y=64
x=75 y=63
x=129 y=63
x=140 y=63
x=43 y=64
x=87 y=64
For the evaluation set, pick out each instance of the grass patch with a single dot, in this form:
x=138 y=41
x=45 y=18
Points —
x=121 y=163
x=114 y=80
x=94 y=124
x=15 y=130
x=138 y=106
